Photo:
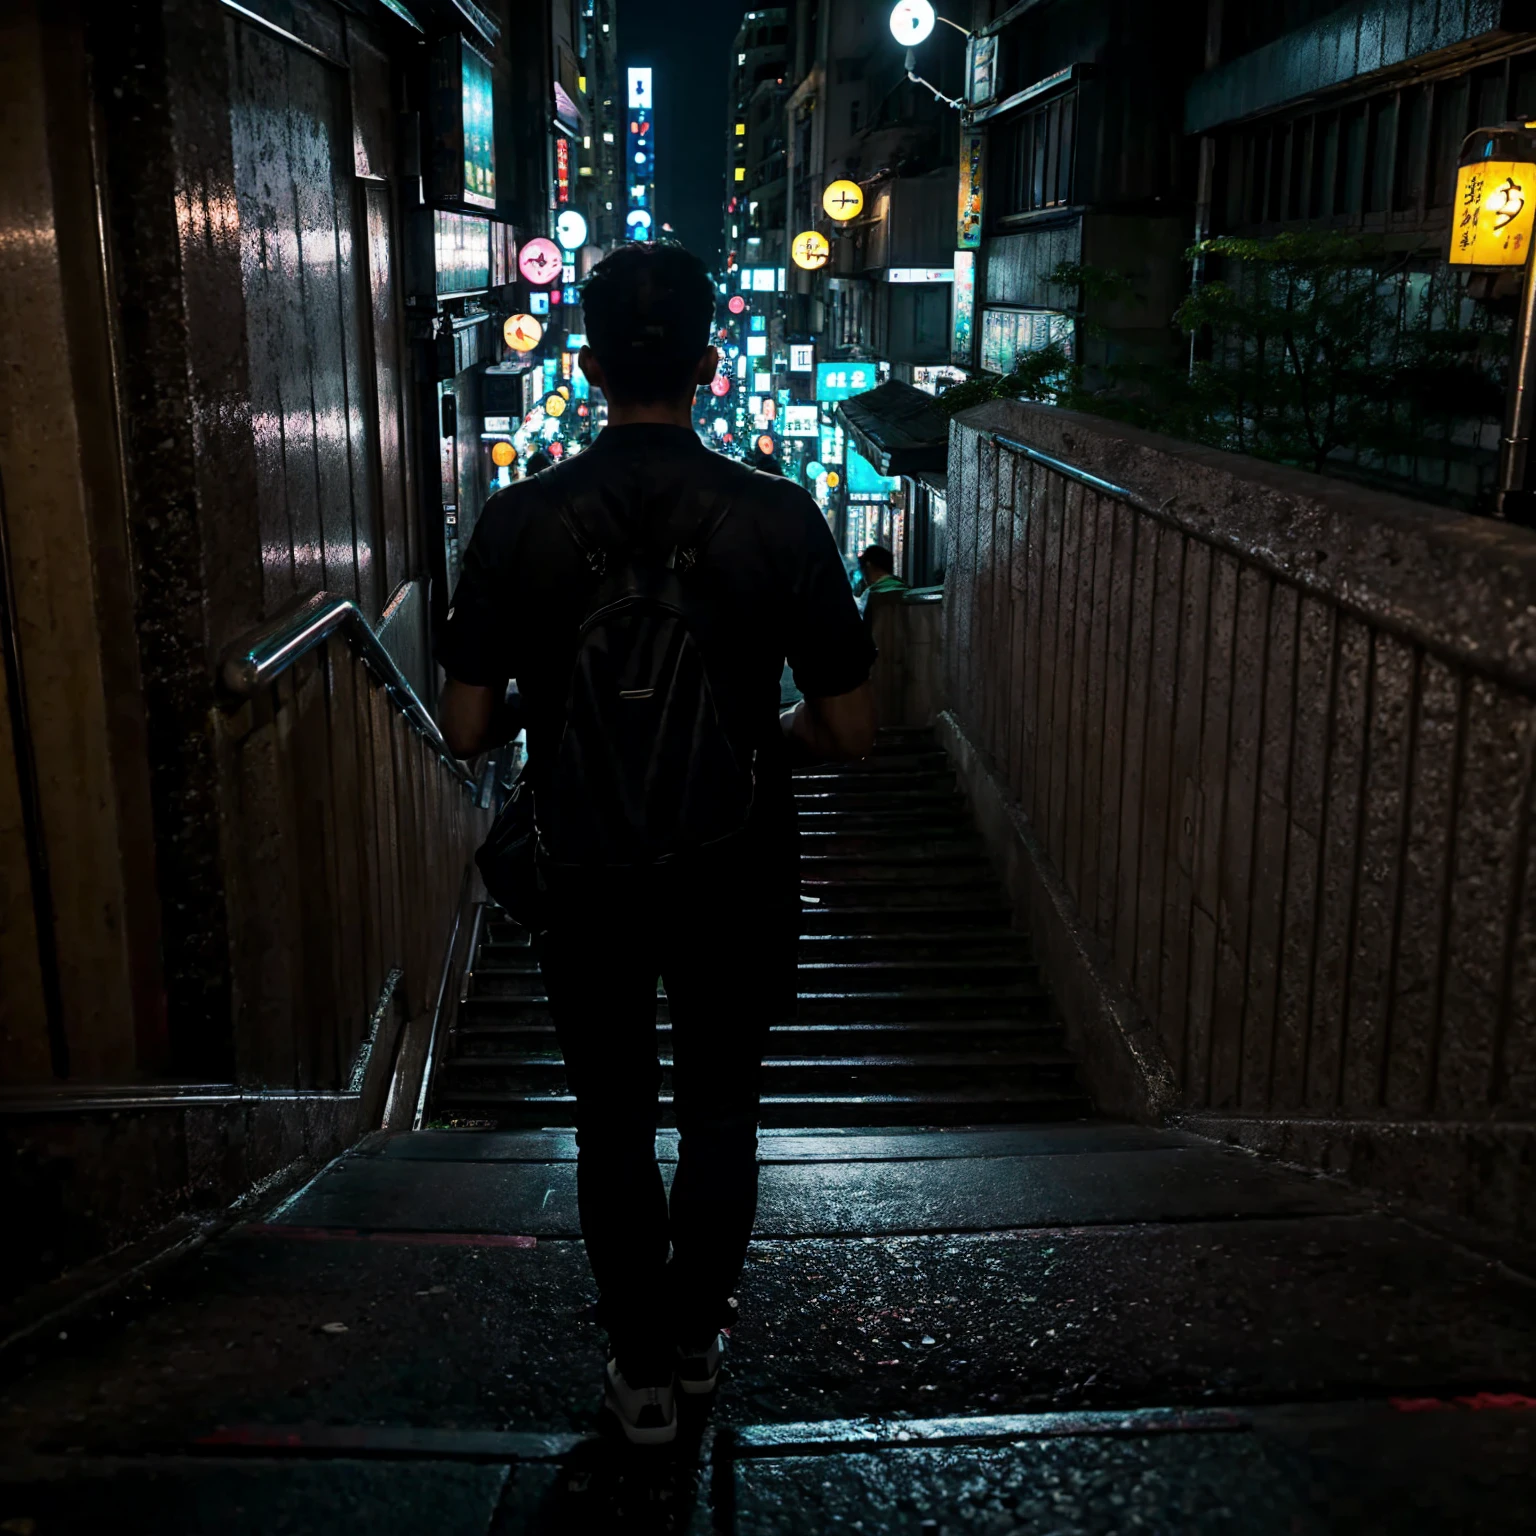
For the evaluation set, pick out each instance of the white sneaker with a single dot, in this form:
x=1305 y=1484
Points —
x=647 y=1415
x=698 y=1370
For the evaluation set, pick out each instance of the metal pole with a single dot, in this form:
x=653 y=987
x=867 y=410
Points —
x=1517 y=498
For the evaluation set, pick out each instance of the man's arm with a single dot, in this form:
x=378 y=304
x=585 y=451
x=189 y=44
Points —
x=840 y=728
x=468 y=718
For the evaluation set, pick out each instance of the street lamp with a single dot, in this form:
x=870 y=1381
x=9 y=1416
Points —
x=1491 y=228
x=912 y=22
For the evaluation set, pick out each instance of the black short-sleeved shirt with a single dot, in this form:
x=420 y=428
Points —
x=782 y=589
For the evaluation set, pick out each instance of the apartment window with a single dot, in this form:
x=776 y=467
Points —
x=741 y=173
x=853 y=115
x=1034 y=158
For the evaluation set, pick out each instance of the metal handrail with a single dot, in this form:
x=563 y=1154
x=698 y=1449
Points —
x=266 y=653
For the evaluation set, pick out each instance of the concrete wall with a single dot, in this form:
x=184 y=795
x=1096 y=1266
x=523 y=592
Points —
x=1267 y=745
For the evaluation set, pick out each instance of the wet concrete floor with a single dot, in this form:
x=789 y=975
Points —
x=1054 y=1329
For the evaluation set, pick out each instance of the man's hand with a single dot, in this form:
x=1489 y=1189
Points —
x=840 y=727
x=467 y=717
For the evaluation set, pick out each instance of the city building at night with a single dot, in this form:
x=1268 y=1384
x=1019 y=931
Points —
x=964 y=963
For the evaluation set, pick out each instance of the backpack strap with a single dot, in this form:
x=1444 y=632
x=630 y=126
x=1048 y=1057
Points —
x=684 y=556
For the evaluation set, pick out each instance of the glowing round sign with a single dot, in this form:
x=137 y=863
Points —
x=555 y=405
x=571 y=230
x=912 y=22
x=522 y=333
x=503 y=454
x=719 y=386
x=766 y=445
x=557 y=450
x=833 y=479
x=843 y=200
x=811 y=250
x=737 y=305
x=815 y=470
x=540 y=261
x=639 y=224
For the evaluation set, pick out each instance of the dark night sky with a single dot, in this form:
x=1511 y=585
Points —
x=687 y=43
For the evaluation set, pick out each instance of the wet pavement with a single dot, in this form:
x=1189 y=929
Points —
x=1053 y=1329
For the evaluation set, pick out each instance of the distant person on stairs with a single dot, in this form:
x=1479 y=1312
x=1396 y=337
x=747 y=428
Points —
x=644 y=595
x=877 y=575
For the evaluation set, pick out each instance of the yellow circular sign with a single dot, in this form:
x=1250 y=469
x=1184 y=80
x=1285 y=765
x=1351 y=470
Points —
x=503 y=454
x=834 y=479
x=811 y=250
x=522 y=333
x=555 y=405
x=843 y=200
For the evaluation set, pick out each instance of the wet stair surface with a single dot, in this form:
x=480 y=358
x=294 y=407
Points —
x=919 y=1004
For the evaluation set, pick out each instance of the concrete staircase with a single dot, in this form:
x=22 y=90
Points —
x=918 y=1003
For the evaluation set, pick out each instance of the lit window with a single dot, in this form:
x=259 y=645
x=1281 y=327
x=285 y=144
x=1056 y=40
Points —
x=741 y=58
x=605 y=26
x=581 y=84
x=735 y=232
x=607 y=138
x=586 y=141
x=741 y=173
x=741 y=130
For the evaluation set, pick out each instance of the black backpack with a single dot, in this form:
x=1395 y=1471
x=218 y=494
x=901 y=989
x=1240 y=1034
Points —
x=645 y=772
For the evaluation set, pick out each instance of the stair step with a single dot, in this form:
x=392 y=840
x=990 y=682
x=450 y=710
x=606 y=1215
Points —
x=852 y=917
x=933 y=760
x=785 y=1111
x=893 y=847
x=813 y=1074
x=896 y=1037
x=1025 y=1001
x=890 y=782
x=816 y=976
x=966 y=890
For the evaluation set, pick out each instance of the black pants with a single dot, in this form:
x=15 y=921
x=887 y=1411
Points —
x=722 y=942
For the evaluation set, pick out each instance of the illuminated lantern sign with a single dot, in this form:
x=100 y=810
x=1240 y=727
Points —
x=522 y=333
x=571 y=230
x=719 y=386
x=1495 y=200
x=737 y=304
x=843 y=200
x=811 y=250
x=503 y=454
x=766 y=445
x=540 y=261
x=555 y=405
x=912 y=22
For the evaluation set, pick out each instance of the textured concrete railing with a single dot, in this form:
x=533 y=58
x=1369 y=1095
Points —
x=1269 y=739
x=905 y=628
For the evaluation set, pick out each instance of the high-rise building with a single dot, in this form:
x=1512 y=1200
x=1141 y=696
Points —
x=603 y=169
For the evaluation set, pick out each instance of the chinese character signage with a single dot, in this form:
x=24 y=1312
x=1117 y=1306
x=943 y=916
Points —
x=640 y=88
x=1492 y=216
x=802 y=357
x=963 y=350
x=801 y=421
x=972 y=169
x=839 y=381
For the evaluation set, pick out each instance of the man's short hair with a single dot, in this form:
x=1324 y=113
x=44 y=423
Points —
x=649 y=311
x=879 y=557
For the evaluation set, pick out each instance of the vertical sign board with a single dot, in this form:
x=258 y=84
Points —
x=963 y=348
x=479 y=128
x=640 y=157
x=462 y=117
x=973 y=149
x=981 y=71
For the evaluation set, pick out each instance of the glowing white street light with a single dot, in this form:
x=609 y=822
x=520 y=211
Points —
x=912 y=22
